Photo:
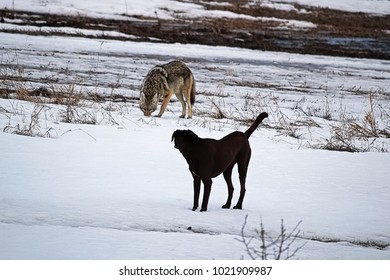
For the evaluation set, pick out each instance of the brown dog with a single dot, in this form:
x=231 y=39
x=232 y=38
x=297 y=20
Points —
x=208 y=158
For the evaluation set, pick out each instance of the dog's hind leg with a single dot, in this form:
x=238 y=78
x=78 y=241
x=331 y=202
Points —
x=242 y=170
x=206 y=194
x=227 y=174
x=196 y=191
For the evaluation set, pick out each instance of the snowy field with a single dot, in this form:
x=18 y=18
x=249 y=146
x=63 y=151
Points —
x=108 y=183
x=170 y=8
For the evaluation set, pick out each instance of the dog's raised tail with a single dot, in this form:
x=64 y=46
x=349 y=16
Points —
x=257 y=122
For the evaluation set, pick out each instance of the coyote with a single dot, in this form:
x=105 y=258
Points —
x=208 y=158
x=163 y=81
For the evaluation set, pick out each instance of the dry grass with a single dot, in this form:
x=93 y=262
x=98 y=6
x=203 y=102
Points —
x=70 y=105
x=351 y=135
x=347 y=133
x=30 y=125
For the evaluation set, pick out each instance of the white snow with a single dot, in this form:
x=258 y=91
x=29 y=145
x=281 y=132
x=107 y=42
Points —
x=367 y=6
x=124 y=192
x=119 y=189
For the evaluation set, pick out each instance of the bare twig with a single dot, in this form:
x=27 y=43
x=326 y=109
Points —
x=280 y=245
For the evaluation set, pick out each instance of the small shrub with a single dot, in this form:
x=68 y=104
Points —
x=268 y=246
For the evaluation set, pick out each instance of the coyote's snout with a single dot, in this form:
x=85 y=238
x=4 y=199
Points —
x=163 y=81
x=208 y=158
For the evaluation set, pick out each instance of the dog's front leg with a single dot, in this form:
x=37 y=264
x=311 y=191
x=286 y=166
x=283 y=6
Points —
x=196 y=192
x=206 y=194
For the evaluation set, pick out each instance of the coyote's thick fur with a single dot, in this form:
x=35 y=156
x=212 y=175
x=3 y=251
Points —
x=208 y=158
x=164 y=81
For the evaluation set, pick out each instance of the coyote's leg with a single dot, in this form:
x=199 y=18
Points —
x=188 y=96
x=167 y=97
x=180 y=97
x=189 y=108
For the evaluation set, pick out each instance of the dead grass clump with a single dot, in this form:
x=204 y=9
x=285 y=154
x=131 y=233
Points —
x=342 y=141
x=30 y=125
x=77 y=115
x=357 y=136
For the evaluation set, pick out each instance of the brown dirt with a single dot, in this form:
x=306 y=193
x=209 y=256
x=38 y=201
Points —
x=337 y=32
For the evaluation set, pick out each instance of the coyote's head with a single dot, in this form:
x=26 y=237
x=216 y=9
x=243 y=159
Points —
x=148 y=104
x=152 y=90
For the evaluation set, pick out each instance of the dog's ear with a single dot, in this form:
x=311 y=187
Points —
x=188 y=135
x=174 y=135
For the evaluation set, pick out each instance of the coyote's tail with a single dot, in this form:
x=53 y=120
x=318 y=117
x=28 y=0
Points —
x=192 y=98
x=257 y=122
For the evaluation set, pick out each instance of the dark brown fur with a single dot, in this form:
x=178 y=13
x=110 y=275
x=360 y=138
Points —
x=208 y=158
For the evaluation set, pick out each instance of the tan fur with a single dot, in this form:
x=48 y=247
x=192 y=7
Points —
x=162 y=82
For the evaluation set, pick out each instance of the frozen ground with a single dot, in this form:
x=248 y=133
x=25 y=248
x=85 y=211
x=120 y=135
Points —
x=167 y=8
x=119 y=190
x=348 y=28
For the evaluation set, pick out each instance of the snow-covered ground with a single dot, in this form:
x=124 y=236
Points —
x=365 y=6
x=171 y=8
x=124 y=192
x=119 y=189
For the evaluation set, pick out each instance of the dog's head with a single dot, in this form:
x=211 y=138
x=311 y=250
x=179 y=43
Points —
x=182 y=137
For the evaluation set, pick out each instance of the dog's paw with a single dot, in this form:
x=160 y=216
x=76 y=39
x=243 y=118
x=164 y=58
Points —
x=237 y=207
x=226 y=206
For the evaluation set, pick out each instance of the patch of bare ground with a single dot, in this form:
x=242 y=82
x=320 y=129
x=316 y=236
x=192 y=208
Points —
x=333 y=32
x=61 y=96
x=379 y=245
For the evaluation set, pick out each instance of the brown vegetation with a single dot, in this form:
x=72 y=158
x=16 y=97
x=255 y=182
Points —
x=335 y=33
